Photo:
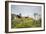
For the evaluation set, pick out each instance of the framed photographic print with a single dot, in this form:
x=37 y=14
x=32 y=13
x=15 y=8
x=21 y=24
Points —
x=24 y=16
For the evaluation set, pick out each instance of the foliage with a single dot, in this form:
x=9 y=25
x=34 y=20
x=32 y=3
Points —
x=25 y=23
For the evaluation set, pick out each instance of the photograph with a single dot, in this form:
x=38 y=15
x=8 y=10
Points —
x=24 y=16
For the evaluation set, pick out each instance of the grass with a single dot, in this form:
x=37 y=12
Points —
x=25 y=23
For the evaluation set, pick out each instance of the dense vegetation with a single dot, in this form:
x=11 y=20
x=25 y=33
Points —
x=25 y=22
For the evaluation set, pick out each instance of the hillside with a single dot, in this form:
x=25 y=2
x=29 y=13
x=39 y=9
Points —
x=25 y=22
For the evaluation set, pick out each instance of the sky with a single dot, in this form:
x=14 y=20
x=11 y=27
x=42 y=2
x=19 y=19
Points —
x=25 y=10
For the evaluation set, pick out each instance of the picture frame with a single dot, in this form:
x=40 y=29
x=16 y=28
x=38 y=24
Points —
x=26 y=10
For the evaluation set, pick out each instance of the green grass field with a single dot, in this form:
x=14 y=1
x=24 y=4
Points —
x=25 y=23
